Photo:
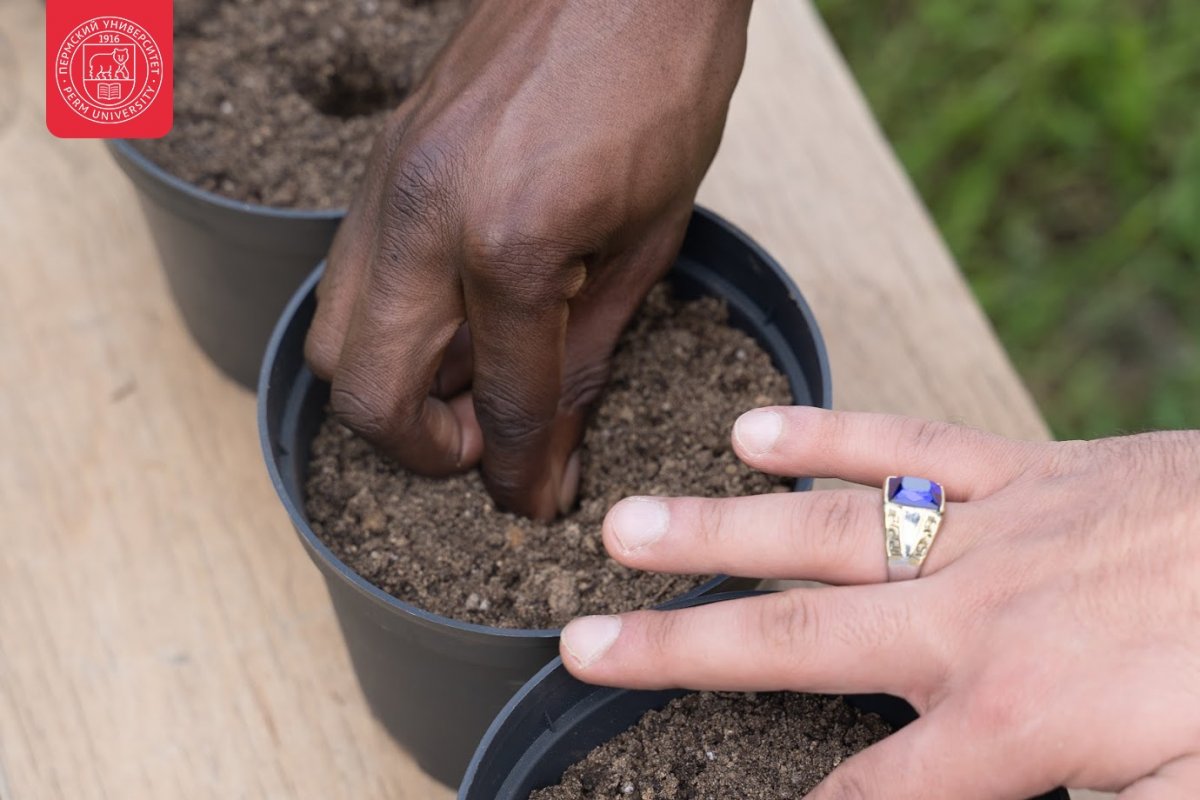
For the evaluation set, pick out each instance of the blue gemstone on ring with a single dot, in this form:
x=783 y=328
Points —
x=919 y=492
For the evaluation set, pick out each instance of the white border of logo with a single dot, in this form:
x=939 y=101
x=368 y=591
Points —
x=78 y=48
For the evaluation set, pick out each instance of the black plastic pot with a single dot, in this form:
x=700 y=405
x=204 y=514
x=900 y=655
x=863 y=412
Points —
x=231 y=266
x=556 y=720
x=436 y=683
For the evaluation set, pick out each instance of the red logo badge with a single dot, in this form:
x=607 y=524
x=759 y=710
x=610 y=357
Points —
x=108 y=75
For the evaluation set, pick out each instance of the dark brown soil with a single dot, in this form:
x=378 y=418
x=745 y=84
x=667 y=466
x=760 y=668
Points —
x=662 y=427
x=278 y=101
x=716 y=745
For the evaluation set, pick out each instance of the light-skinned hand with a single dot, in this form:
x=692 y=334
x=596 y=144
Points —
x=1053 y=637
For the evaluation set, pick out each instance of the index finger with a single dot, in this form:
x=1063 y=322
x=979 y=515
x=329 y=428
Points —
x=836 y=640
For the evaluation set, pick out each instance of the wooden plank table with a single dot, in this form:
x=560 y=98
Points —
x=162 y=634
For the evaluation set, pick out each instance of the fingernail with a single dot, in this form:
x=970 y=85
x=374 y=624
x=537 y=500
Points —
x=639 y=521
x=586 y=639
x=569 y=487
x=757 y=431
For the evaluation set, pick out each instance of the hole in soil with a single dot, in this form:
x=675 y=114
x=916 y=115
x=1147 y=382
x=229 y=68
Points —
x=351 y=88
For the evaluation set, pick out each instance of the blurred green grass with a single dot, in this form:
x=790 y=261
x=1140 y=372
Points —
x=1057 y=144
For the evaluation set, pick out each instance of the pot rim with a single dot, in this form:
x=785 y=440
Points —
x=538 y=678
x=320 y=550
x=126 y=150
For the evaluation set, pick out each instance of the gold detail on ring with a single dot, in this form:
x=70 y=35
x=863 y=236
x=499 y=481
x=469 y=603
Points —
x=909 y=532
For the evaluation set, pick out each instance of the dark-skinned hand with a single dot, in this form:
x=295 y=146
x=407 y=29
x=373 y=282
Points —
x=516 y=210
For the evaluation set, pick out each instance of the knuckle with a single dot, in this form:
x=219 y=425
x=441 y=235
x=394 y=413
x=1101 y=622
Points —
x=541 y=212
x=508 y=245
x=825 y=523
x=508 y=422
x=786 y=623
x=661 y=634
x=358 y=410
x=583 y=384
x=921 y=437
x=366 y=411
x=839 y=512
x=523 y=263
x=711 y=528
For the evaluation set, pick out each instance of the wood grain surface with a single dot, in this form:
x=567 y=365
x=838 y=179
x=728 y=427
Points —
x=162 y=633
